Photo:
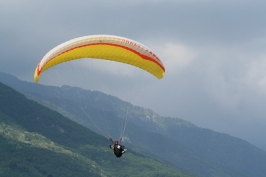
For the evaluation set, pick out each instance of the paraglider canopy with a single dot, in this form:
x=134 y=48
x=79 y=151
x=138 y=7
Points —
x=107 y=47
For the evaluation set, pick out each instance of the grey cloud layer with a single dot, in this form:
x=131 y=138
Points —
x=220 y=87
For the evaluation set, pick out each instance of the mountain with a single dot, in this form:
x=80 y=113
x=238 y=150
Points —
x=39 y=142
x=172 y=141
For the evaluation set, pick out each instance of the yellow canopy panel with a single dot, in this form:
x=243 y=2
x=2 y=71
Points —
x=105 y=47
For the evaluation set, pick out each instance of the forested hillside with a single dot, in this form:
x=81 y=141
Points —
x=172 y=141
x=38 y=142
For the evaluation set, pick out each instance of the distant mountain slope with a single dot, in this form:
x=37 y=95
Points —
x=38 y=142
x=170 y=140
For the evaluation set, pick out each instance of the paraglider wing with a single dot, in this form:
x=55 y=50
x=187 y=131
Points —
x=106 y=47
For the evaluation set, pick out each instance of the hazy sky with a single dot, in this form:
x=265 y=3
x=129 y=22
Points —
x=214 y=53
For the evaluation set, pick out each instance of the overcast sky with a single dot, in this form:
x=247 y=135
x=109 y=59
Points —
x=214 y=53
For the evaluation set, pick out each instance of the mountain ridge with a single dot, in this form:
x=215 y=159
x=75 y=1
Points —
x=36 y=141
x=200 y=151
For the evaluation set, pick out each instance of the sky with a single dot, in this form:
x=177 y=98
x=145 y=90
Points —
x=213 y=51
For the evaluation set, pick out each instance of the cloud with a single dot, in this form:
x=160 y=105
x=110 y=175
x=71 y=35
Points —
x=256 y=75
x=176 y=56
x=213 y=51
